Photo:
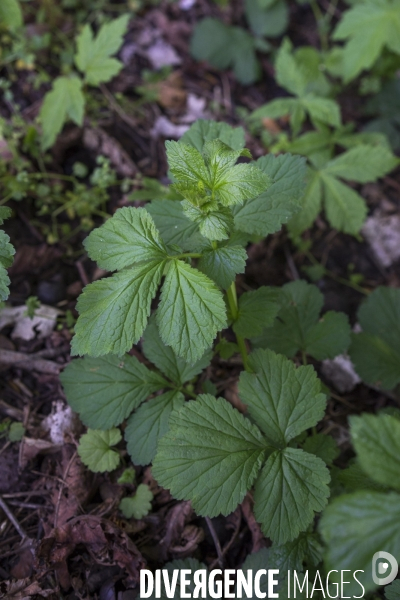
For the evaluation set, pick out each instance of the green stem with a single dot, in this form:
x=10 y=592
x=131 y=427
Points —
x=187 y=255
x=233 y=307
x=304 y=357
x=319 y=17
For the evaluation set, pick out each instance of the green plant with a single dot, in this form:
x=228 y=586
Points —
x=227 y=46
x=356 y=524
x=299 y=328
x=375 y=351
x=299 y=73
x=139 y=505
x=93 y=58
x=201 y=447
x=7 y=252
x=368 y=28
x=345 y=209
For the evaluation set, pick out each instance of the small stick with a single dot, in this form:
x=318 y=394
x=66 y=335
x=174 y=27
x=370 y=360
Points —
x=29 y=362
x=216 y=542
x=12 y=519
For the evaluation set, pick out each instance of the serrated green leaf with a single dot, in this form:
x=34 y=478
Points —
x=93 y=53
x=11 y=14
x=290 y=556
x=165 y=359
x=362 y=163
x=7 y=252
x=257 y=310
x=5 y=213
x=375 y=361
x=376 y=351
x=266 y=213
x=345 y=209
x=211 y=455
x=127 y=477
x=369 y=28
x=298 y=327
x=323 y=446
x=240 y=183
x=299 y=71
x=113 y=312
x=311 y=205
x=139 y=505
x=392 y=591
x=105 y=390
x=356 y=526
x=130 y=236
x=223 y=264
x=280 y=107
x=191 y=311
x=220 y=158
x=174 y=226
x=203 y=131
x=148 y=424
x=64 y=101
x=268 y=21
x=186 y=163
x=322 y=110
x=282 y=400
x=329 y=337
x=287 y=72
x=292 y=486
x=224 y=46
x=95 y=450
x=215 y=225
x=376 y=439
x=352 y=479
x=212 y=175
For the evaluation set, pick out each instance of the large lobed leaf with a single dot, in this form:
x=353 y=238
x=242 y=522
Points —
x=130 y=236
x=105 y=390
x=93 y=53
x=191 y=311
x=356 y=526
x=267 y=212
x=64 y=101
x=211 y=455
x=299 y=326
x=292 y=486
x=376 y=351
x=282 y=400
x=7 y=252
x=376 y=439
x=114 y=311
x=165 y=359
x=368 y=29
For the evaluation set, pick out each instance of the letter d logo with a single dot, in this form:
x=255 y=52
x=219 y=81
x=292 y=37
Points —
x=380 y=566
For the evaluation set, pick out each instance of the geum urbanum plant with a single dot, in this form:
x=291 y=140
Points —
x=205 y=450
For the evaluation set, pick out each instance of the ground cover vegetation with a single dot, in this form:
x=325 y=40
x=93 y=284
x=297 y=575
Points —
x=213 y=237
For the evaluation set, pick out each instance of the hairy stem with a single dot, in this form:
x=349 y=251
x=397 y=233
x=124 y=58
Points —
x=233 y=307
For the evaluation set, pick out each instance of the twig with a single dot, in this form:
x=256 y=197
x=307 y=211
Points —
x=216 y=542
x=229 y=544
x=28 y=493
x=64 y=484
x=117 y=108
x=29 y=362
x=289 y=259
x=12 y=519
